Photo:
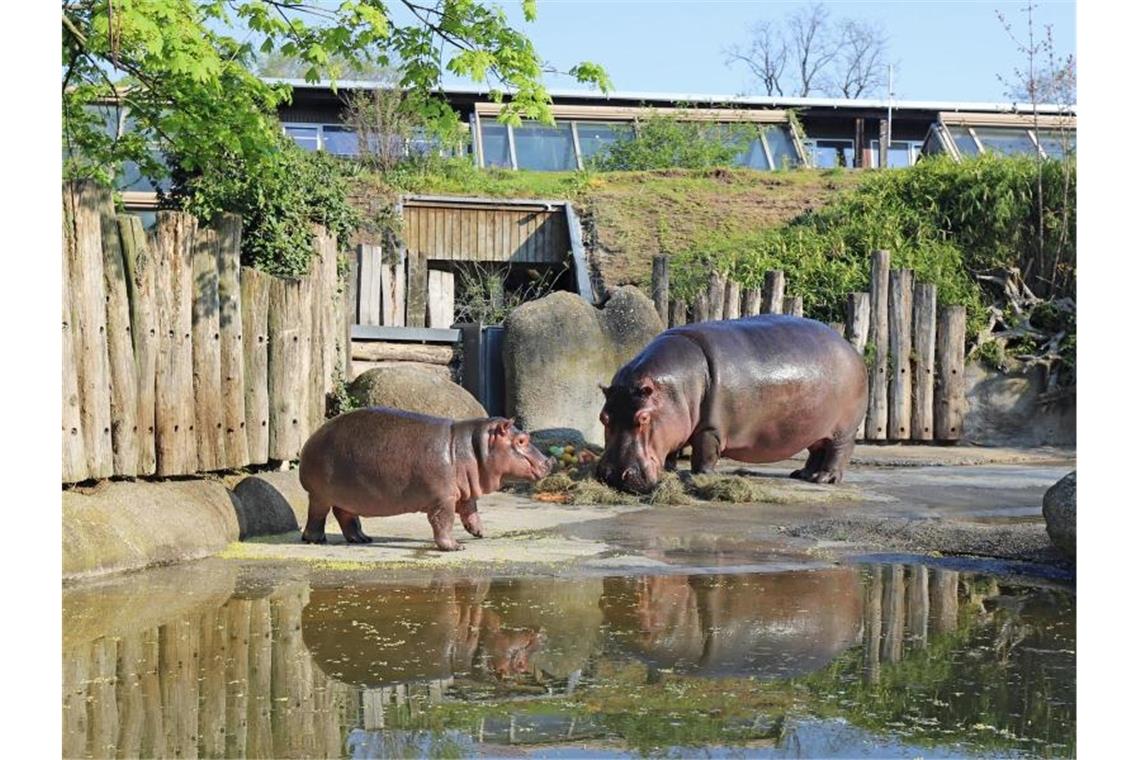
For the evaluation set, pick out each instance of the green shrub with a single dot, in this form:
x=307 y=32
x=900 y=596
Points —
x=279 y=198
x=661 y=142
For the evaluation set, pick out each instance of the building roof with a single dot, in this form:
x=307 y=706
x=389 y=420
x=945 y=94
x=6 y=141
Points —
x=706 y=98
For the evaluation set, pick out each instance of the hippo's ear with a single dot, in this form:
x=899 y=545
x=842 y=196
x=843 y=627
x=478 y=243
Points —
x=501 y=426
x=604 y=389
x=645 y=390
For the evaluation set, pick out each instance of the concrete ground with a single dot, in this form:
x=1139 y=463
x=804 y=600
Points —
x=941 y=501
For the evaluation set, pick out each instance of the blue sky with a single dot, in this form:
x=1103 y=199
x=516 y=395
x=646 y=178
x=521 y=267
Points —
x=944 y=50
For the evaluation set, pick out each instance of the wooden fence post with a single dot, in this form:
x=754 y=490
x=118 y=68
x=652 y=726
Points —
x=393 y=285
x=701 y=307
x=290 y=322
x=732 y=300
x=950 y=359
x=74 y=454
x=876 y=427
x=925 y=320
x=678 y=312
x=715 y=300
x=794 y=305
x=773 y=299
x=900 y=312
x=917 y=605
x=441 y=298
x=417 y=289
x=325 y=330
x=138 y=257
x=858 y=323
x=120 y=351
x=371 y=290
x=82 y=213
x=350 y=299
x=661 y=287
x=255 y=350
x=233 y=352
x=176 y=445
x=753 y=299
x=207 y=353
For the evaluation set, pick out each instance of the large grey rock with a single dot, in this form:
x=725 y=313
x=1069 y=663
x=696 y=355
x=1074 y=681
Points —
x=558 y=349
x=1002 y=410
x=402 y=386
x=1060 y=509
x=262 y=510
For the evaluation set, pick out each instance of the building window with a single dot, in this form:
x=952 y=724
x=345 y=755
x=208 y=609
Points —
x=831 y=154
x=781 y=147
x=307 y=136
x=963 y=140
x=900 y=154
x=755 y=157
x=542 y=148
x=340 y=141
x=595 y=137
x=496 y=148
x=1058 y=143
x=1010 y=142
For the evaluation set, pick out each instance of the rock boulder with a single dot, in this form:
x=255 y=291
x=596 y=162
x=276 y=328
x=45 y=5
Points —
x=1060 y=509
x=402 y=386
x=558 y=349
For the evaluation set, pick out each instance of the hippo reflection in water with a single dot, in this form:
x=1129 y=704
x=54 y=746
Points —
x=770 y=625
x=380 y=635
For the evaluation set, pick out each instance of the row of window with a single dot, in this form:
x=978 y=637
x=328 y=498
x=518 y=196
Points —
x=1009 y=141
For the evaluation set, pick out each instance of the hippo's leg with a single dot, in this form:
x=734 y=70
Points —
x=469 y=515
x=836 y=455
x=442 y=519
x=314 y=532
x=671 y=461
x=350 y=526
x=817 y=452
x=706 y=451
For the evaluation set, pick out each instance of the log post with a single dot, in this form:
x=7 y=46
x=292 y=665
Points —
x=877 y=340
x=715 y=292
x=259 y=731
x=236 y=441
x=701 y=307
x=950 y=360
x=943 y=601
x=732 y=300
x=417 y=289
x=237 y=676
x=925 y=322
x=678 y=312
x=176 y=445
x=394 y=292
x=894 y=595
x=917 y=605
x=382 y=351
x=120 y=351
x=74 y=454
x=138 y=257
x=370 y=287
x=773 y=299
x=350 y=298
x=290 y=320
x=660 y=286
x=858 y=323
x=255 y=361
x=207 y=353
x=900 y=312
x=83 y=215
x=794 y=305
x=872 y=624
x=752 y=302
x=441 y=298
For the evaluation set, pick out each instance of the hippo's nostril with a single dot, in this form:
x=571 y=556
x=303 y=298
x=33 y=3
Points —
x=628 y=473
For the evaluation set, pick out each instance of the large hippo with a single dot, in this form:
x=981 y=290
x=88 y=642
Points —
x=381 y=462
x=757 y=389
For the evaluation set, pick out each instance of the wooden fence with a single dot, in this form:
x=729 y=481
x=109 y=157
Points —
x=176 y=359
x=915 y=349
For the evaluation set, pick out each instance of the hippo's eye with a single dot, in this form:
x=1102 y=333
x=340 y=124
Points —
x=604 y=417
x=522 y=440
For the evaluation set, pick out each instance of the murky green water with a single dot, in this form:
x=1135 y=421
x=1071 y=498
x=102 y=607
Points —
x=872 y=660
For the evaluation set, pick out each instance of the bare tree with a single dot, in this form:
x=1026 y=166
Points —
x=808 y=54
x=766 y=55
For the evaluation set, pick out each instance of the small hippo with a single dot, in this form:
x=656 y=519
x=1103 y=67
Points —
x=757 y=389
x=381 y=462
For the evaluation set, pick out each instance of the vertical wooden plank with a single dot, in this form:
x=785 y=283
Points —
x=212 y=661
x=83 y=210
x=716 y=296
x=315 y=409
x=752 y=302
x=894 y=595
x=104 y=709
x=176 y=445
x=872 y=624
x=371 y=292
x=732 y=300
x=678 y=312
x=178 y=649
x=660 y=284
x=917 y=605
x=74 y=454
x=237 y=677
x=417 y=289
x=290 y=310
x=259 y=741
x=943 y=601
x=925 y=323
x=120 y=351
x=153 y=743
x=138 y=257
x=950 y=388
x=441 y=298
x=794 y=305
x=857 y=325
x=900 y=312
x=877 y=340
x=350 y=299
x=207 y=353
x=129 y=695
x=701 y=307
x=76 y=677
x=235 y=440
x=255 y=345
x=329 y=310
x=395 y=298
x=773 y=298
